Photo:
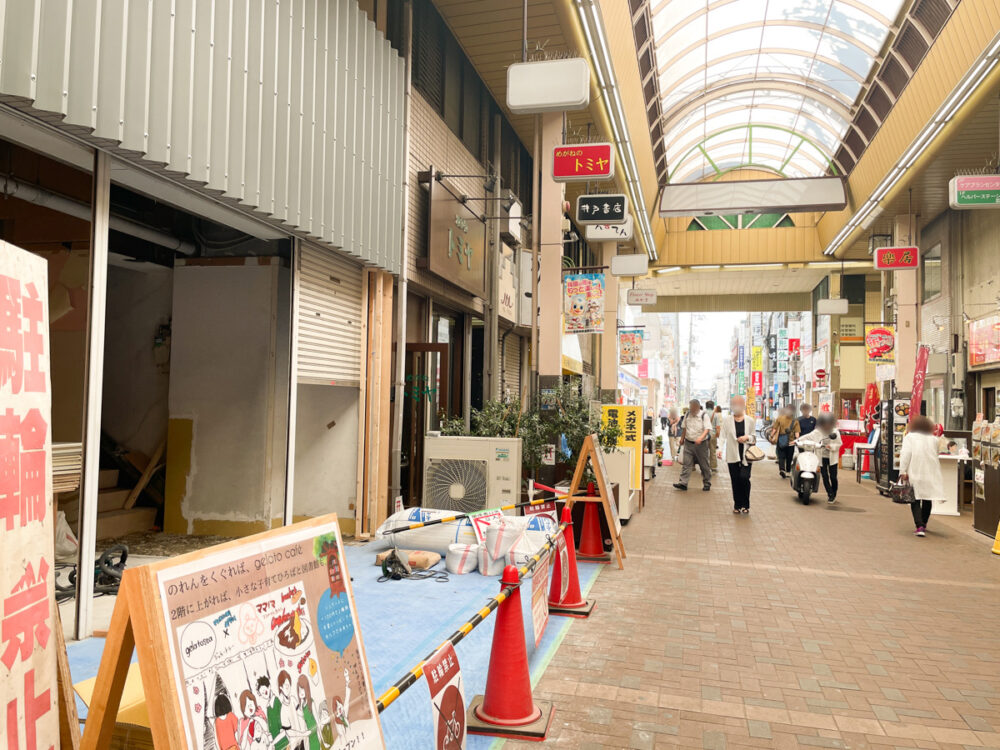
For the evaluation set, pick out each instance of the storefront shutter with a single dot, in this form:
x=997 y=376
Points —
x=329 y=318
x=511 y=386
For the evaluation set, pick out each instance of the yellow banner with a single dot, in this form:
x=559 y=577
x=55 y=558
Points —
x=629 y=418
x=757 y=358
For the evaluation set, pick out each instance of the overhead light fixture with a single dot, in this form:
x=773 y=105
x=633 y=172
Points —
x=706 y=268
x=671 y=269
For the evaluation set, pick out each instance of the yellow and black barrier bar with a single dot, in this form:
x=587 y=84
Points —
x=411 y=677
x=460 y=516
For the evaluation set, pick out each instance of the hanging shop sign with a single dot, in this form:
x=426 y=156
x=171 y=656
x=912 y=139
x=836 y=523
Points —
x=640 y=297
x=456 y=240
x=444 y=679
x=884 y=373
x=757 y=382
x=794 y=346
x=740 y=358
x=28 y=659
x=974 y=191
x=629 y=419
x=507 y=285
x=741 y=382
x=643 y=370
x=630 y=346
x=896 y=258
x=583 y=303
x=852 y=331
x=580 y=162
x=984 y=341
x=757 y=358
x=618 y=232
x=880 y=343
x=608 y=208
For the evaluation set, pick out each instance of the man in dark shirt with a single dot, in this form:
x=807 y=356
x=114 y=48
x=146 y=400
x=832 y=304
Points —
x=807 y=422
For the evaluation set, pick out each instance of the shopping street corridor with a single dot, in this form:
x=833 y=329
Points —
x=794 y=626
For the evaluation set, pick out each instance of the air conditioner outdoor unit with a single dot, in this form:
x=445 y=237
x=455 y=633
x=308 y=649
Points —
x=466 y=474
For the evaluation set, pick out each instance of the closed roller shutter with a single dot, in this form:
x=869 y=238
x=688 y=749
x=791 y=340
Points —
x=329 y=318
x=512 y=367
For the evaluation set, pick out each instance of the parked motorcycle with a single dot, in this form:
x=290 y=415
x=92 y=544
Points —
x=805 y=469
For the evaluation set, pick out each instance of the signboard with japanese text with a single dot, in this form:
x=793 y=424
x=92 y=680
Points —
x=880 y=343
x=630 y=346
x=757 y=358
x=580 y=162
x=540 y=596
x=974 y=191
x=456 y=240
x=919 y=376
x=640 y=297
x=28 y=650
x=608 y=208
x=629 y=418
x=444 y=680
x=507 y=284
x=852 y=331
x=794 y=346
x=757 y=382
x=583 y=303
x=265 y=629
x=896 y=258
x=483 y=519
x=740 y=357
x=611 y=232
x=984 y=341
x=643 y=372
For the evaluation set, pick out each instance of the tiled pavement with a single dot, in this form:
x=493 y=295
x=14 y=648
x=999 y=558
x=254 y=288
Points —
x=795 y=626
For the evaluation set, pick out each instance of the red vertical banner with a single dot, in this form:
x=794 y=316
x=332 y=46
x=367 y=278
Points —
x=444 y=678
x=27 y=593
x=919 y=375
x=757 y=382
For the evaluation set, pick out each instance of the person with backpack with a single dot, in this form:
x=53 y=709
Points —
x=783 y=433
x=697 y=428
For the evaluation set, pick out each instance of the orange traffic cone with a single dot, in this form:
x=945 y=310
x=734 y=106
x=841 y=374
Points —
x=507 y=709
x=591 y=539
x=564 y=594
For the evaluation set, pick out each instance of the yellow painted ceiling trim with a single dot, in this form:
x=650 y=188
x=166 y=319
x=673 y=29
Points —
x=742 y=246
x=967 y=33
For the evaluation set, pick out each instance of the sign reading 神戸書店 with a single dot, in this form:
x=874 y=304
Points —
x=611 y=208
x=974 y=191
x=456 y=239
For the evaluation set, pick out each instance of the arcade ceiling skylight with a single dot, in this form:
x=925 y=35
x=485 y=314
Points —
x=762 y=83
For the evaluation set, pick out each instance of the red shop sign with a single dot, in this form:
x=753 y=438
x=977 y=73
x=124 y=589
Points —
x=583 y=161
x=757 y=381
x=896 y=258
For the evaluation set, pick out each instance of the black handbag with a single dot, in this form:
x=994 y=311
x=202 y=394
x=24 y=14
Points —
x=902 y=493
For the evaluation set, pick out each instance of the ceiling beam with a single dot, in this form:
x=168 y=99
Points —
x=791 y=302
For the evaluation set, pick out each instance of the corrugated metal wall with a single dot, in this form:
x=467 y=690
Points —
x=290 y=109
x=511 y=386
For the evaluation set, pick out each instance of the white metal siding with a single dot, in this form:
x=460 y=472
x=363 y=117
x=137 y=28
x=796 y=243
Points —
x=329 y=318
x=293 y=110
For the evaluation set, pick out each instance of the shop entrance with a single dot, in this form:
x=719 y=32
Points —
x=989 y=404
x=426 y=396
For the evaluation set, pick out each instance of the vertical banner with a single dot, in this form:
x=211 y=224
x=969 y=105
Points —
x=757 y=382
x=540 y=597
x=757 y=358
x=28 y=648
x=751 y=399
x=629 y=418
x=919 y=375
x=444 y=678
x=630 y=346
x=583 y=303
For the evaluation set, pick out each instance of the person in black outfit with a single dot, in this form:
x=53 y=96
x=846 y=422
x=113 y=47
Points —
x=737 y=433
x=807 y=422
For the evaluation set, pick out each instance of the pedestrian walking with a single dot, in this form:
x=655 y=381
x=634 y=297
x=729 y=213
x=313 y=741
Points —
x=697 y=427
x=783 y=433
x=920 y=466
x=674 y=433
x=664 y=417
x=829 y=452
x=737 y=432
x=715 y=412
x=807 y=422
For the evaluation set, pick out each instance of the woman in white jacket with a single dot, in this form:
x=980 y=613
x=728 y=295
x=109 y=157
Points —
x=737 y=433
x=920 y=466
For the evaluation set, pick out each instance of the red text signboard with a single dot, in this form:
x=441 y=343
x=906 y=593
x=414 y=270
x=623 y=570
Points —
x=27 y=593
x=583 y=161
x=757 y=382
x=444 y=678
x=794 y=346
x=896 y=258
x=984 y=341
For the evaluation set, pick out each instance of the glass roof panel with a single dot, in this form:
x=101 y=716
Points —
x=797 y=65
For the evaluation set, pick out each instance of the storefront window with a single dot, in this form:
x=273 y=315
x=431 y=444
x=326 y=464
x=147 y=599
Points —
x=931 y=273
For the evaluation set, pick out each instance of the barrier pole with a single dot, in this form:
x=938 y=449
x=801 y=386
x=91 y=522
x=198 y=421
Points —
x=460 y=516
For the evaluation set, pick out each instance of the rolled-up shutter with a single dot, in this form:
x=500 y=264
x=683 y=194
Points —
x=329 y=318
x=512 y=367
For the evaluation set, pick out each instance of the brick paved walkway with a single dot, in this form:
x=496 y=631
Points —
x=795 y=626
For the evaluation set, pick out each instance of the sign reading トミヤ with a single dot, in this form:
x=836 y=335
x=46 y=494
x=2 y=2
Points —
x=601 y=209
x=974 y=191
x=456 y=239
x=897 y=258
x=583 y=161
x=27 y=646
x=444 y=679
x=264 y=642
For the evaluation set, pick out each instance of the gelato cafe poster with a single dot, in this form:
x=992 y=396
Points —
x=265 y=646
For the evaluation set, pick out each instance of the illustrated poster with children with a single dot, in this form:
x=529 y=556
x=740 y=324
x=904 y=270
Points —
x=265 y=647
x=583 y=303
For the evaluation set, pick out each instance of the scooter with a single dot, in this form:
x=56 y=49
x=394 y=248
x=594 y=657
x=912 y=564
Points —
x=805 y=469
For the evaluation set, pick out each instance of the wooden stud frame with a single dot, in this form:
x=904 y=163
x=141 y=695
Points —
x=592 y=452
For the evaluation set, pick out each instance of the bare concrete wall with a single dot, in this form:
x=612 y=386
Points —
x=326 y=450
